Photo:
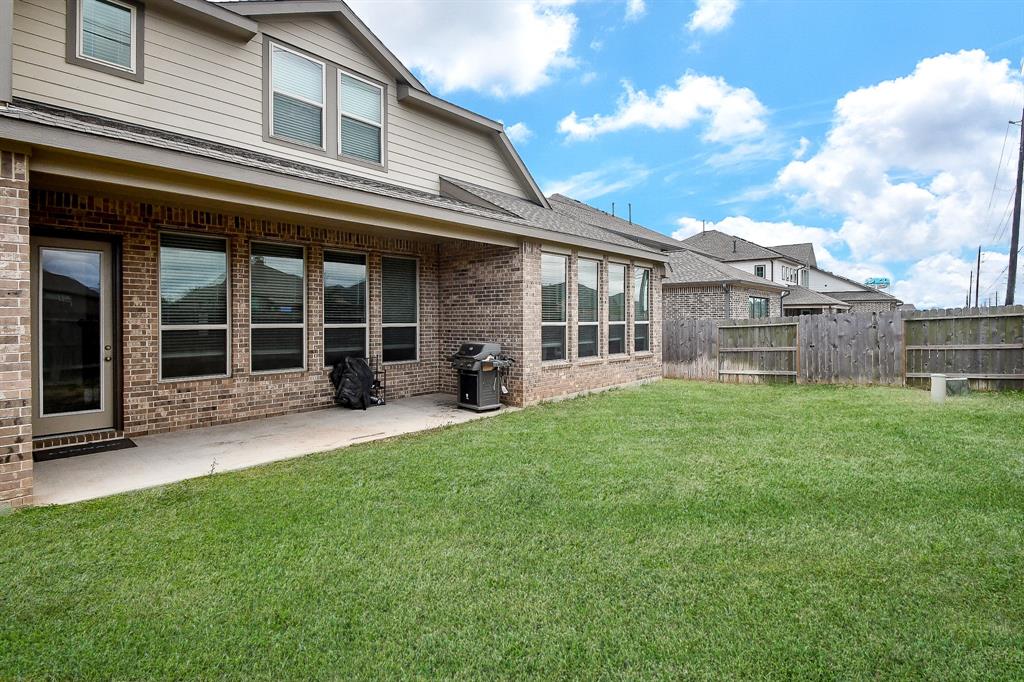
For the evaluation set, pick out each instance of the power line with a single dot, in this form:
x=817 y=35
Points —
x=999 y=167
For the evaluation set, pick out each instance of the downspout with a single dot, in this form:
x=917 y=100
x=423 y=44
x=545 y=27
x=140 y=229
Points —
x=728 y=301
x=782 y=308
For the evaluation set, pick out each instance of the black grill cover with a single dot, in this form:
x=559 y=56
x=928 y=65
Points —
x=353 y=383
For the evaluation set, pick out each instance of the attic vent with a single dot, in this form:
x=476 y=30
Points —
x=734 y=246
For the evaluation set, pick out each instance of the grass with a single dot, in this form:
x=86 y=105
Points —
x=677 y=530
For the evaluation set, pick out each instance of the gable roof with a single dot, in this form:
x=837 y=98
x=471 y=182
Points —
x=873 y=295
x=594 y=216
x=538 y=215
x=801 y=296
x=726 y=247
x=802 y=253
x=690 y=268
x=410 y=90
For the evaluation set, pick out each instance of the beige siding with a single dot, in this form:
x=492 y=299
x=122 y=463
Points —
x=198 y=83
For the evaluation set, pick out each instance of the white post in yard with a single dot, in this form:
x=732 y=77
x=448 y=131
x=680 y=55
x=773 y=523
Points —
x=938 y=388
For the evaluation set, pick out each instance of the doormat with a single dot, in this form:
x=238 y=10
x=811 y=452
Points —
x=83 y=449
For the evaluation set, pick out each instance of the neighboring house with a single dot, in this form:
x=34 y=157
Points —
x=747 y=256
x=698 y=286
x=861 y=297
x=233 y=196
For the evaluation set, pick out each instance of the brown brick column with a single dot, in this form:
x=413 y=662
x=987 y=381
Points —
x=15 y=334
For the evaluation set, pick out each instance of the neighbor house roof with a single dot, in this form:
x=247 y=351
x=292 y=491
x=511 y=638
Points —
x=727 y=247
x=64 y=129
x=802 y=253
x=799 y=297
x=595 y=216
x=688 y=268
x=529 y=211
x=873 y=295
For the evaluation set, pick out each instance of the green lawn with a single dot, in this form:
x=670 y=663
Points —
x=680 y=529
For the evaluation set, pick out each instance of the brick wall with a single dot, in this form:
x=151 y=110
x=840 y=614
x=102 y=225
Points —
x=546 y=380
x=715 y=302
x=872 y=306
x=15 y=334
x=152 y=406
x=482 y=287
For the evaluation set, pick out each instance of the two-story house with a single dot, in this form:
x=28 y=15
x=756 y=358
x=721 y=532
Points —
x=204 y=206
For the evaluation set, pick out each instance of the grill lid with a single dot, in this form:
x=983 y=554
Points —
x=479 y=350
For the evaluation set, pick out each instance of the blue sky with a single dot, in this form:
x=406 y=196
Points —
x=727 y=112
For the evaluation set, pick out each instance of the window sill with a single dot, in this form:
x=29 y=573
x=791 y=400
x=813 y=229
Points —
x=583 y=362
x=396 y=363
x=620 y=357
x=555 y=364
x=189 y=380
x=643 y=354
x=271 y=372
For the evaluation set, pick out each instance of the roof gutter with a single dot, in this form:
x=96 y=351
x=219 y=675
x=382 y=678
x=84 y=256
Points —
x=211 y=14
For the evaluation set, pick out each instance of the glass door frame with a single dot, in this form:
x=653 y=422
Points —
x=108 y=415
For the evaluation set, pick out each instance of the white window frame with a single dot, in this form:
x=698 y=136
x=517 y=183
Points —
x=377 y=124
x=565 y=306
x=196 y=327
x=285 y=325
x=650 y=311
x=384 y=326
x=596 y=323
x=80 y=31
x=625 y=310
x=763 y=270
x=323 y=97
x=366 y=302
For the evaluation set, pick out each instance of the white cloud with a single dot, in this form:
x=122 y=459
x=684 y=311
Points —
x=519 y=132
x=635 y=9
x=588 y=77
x=712 y=16
x=942 y=280
x=612 y=177
x=730 y=113
x=909 y=163
x=596 y=45
x=500 y=48
x=802 y=148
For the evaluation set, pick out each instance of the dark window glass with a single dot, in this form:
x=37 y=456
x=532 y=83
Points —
x=642 y=337
x=276 y=348
x=343 y=342
x=276 y=271
x=71 y=335
x=588 y=341
x=193 y=306
x=552 y=281
x=193 y=280
x=642 y=295
x=616 y=293
x=398 y=290
x=758 y=306
x=344 y=288
x=616 y=339
x=399 y=344
x=552 y=342
x=759 y=271
x=193 y=352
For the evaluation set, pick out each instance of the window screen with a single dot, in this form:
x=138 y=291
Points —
x=193 y=306
x=107 y=33
x=277 y=285
x=399 y=309
x=344 y=306
x=297 y=97
x=588 y=302
x=641 y=309
x=360 y=106
x=553 y=304
x=616 y=309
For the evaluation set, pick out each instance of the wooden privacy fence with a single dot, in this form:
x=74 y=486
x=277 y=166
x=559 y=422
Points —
x=895 y=348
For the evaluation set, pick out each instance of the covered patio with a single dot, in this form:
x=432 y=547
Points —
x=169 y=457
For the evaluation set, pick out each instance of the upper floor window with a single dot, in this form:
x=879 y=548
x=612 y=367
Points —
x=361 y=122
x=296 y=97
x=106 y=35
x=759 y=271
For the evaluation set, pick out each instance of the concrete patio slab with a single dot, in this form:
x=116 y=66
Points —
x=169 y=457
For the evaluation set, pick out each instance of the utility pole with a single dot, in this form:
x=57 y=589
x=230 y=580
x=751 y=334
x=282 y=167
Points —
x=1011 y=279
x=970 y=286
x=977 y=280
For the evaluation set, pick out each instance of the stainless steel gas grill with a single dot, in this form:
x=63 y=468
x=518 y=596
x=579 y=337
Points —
x=482 y=369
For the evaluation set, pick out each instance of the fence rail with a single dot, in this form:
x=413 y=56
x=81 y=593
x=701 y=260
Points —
x=984 y=345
